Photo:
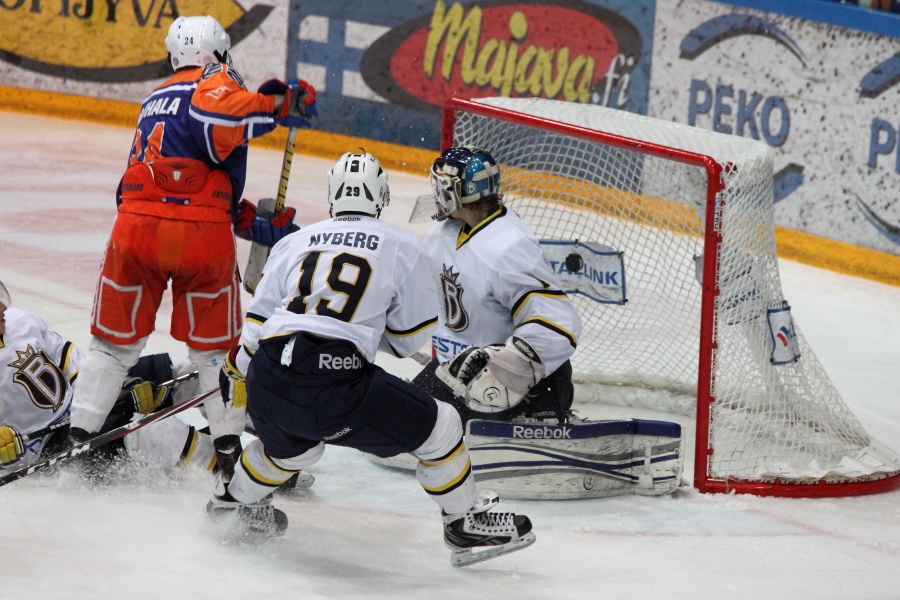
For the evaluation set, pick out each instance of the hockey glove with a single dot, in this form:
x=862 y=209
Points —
x=12 y=447
x=298 y=105
x=232 y=381
x=266 y=231
x=144 y=396
x=494 y=378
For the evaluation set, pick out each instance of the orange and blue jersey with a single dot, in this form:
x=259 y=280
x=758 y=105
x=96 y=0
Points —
x=207 y=115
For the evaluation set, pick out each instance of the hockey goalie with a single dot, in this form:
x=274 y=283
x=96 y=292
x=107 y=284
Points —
x=502 y=350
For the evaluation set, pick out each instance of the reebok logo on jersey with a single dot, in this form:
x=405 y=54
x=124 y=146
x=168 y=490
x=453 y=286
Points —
x=542 y=433
x=339 y=363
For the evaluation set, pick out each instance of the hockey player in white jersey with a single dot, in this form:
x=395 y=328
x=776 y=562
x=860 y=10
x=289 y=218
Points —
x=38 y=371
x=502 y=349
x=332 y=295
x=507 y=329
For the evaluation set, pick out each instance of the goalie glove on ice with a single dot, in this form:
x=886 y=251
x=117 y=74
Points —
x=494 y=378
x=264 y=229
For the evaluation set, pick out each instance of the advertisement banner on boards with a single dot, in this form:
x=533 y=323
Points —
x=385 y=71
x=823 y=97
x=116 y=50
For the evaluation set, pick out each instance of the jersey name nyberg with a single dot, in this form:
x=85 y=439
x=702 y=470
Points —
x=351 y=239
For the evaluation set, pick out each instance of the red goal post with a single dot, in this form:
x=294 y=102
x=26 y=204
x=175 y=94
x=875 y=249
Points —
x=680 y=292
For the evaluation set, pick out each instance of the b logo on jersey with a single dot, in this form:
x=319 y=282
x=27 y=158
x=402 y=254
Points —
x=457 y=319
x=45 y=383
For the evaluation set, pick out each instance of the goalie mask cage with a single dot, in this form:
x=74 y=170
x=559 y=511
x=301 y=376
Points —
x=684 y=206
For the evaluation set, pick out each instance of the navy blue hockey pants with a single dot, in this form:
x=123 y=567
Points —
x=330 y=393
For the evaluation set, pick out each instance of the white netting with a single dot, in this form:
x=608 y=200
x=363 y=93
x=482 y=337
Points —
x=785 y=421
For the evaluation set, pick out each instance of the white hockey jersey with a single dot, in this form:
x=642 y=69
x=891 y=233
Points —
x=37 y=368
x=495 y=281
x=352 y=277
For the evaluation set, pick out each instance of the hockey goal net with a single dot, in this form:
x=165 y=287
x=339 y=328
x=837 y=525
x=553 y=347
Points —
x=663 y=235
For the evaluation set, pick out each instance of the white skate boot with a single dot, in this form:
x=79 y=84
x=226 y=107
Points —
x=504 y=532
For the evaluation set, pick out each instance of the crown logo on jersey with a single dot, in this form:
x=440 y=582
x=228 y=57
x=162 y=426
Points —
x=44 y=381
x=24 y=357
x=454 y=311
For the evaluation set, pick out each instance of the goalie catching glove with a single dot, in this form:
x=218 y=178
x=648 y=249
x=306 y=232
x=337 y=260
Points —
x=11 y=446
x=494 y=378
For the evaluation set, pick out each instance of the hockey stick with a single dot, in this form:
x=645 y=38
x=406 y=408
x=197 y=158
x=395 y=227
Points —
x=268 y=208
x=105 y=438
x=172 y=383
x=420 y=357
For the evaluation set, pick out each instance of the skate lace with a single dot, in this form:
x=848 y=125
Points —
x=490 y=519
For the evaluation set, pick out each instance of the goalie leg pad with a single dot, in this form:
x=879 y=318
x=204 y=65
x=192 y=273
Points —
x=539 y=461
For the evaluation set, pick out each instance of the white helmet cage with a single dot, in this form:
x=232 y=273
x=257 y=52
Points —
x=196 y=42
x=357 y=183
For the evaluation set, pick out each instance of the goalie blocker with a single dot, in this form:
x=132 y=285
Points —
x=543 y=461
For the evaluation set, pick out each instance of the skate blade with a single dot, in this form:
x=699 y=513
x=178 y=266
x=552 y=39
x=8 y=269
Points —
x=302 y=484
x=463 y=557
x=231 y=530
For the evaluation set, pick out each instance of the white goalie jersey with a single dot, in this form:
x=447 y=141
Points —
x=494 y=281
x=352 y=277
x=37 y=368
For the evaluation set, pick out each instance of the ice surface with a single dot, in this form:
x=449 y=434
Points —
x=365 y=531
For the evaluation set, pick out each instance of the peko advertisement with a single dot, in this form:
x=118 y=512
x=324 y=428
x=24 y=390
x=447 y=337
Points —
x=824 y=97
x=385 y=71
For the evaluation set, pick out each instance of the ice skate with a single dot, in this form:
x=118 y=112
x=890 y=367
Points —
x=502 y=532
x=257 y=518
x=298 y=481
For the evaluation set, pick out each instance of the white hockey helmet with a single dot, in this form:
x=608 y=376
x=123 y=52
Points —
x=357 y=183
x=196 y=42
x=4 y=296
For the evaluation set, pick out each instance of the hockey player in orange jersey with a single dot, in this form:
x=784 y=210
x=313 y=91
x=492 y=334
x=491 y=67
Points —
x=179 y=208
